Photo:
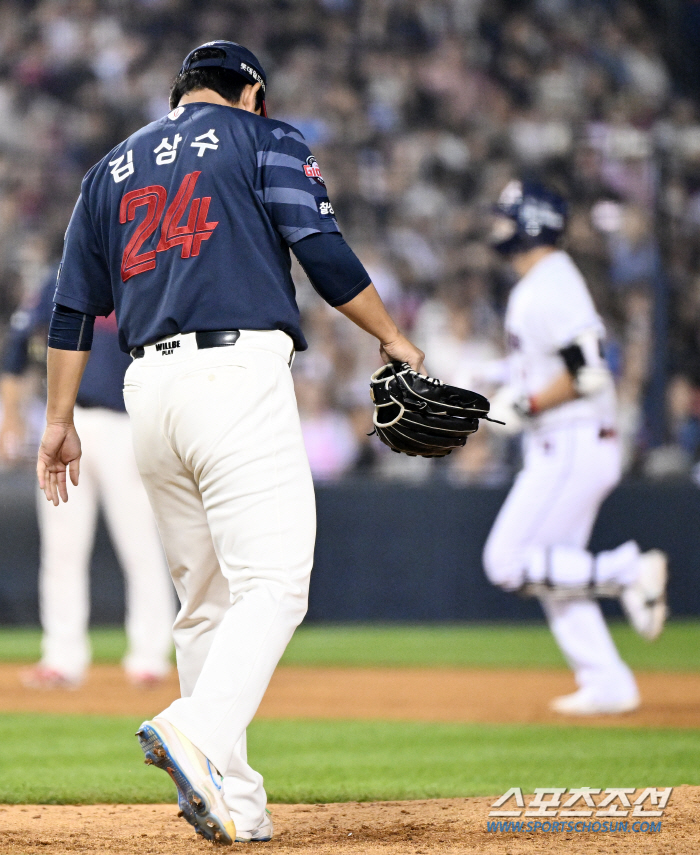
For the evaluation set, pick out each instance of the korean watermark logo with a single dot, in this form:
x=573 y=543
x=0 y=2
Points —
x=556 y=809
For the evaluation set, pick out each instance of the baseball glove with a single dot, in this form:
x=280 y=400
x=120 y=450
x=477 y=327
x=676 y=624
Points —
x=420 y=416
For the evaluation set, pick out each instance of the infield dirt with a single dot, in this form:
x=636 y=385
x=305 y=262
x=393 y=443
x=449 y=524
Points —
x=398 y=694
x=446 y=826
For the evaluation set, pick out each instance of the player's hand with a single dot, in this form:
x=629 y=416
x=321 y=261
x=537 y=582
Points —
x=402 y=350
x=59 y=451
x=12 y=439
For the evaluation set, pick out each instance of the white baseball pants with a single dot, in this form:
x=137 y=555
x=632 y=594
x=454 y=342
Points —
x=220 y=450
x=108 y=477
x=541 y=534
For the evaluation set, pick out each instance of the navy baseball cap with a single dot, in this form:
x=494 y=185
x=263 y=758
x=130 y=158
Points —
x=233 y=57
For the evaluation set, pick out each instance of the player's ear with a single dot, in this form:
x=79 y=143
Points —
x=249 y=97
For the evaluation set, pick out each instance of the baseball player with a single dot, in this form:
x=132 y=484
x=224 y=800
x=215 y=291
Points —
x=562 y=396
x=109 y=478
x=184 y=230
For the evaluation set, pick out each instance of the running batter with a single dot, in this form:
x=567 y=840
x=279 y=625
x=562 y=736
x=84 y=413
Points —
x=184 y=230
x=561 y=394
x=110 y=479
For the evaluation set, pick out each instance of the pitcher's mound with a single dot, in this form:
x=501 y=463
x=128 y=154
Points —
x=445 y=826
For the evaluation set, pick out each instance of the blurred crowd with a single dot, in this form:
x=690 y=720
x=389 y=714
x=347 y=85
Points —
x=419 y=112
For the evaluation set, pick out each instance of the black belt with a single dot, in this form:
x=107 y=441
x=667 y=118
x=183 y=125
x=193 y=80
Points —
x=206 y=339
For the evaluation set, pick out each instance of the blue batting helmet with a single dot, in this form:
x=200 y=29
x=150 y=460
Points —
x=527 y=215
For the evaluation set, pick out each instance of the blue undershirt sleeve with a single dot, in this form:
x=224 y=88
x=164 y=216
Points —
x=332 y=267
x=70 y=329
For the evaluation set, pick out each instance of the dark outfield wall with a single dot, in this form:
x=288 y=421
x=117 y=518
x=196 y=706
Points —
x=388 y=551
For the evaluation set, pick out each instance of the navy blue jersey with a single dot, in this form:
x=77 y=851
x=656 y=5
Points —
x=103 y=378
x=187 y=226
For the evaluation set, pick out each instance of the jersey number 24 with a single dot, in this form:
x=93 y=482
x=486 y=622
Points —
x=189 y=235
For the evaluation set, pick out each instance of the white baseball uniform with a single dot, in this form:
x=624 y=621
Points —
x=571 y=463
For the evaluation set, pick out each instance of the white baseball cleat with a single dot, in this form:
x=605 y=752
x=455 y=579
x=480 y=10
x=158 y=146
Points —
x=584 y=702
x=198 y=783
x=261 y=834
x=644 y=602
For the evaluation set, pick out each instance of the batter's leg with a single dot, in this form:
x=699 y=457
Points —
x=543 y=529
x=583 y=637
x=150 y=600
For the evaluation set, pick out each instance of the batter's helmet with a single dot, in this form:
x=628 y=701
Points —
x=527 y=215
x=232 y=56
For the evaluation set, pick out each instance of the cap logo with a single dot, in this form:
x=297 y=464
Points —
x=253 y=73
x=537 y=215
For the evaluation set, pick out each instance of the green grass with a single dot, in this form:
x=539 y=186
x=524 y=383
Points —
x=86 y=759
x=23 y=644
x=457 y=645
x=69 y=759
x=481 y=645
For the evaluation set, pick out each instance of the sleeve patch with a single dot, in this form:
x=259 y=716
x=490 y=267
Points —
x=325 y=209
x=312 y=170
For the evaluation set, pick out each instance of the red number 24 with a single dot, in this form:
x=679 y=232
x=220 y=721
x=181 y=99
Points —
x=189 y=235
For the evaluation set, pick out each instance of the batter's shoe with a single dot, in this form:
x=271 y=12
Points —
x=198 y=782
x=584 y=702
x=644 y=602
x=42 y=677
x=261 y=834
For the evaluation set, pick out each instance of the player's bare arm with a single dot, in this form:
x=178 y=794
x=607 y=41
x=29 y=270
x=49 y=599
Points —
x=59 y=452
x=369 y=313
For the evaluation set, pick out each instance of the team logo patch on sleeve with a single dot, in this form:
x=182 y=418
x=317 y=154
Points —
x=325 y=209
x=312 y=170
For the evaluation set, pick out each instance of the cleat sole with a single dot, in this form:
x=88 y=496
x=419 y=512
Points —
x=193 y=805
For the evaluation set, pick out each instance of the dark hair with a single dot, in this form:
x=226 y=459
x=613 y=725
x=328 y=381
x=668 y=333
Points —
x=226 y=83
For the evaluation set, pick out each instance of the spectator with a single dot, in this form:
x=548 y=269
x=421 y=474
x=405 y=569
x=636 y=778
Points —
x=419 y=112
